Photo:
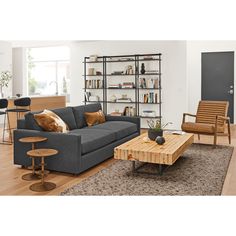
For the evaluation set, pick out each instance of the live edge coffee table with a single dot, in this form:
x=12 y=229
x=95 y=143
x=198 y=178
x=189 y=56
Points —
x=150 y=152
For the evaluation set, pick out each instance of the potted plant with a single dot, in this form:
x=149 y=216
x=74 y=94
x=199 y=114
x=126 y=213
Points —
x=5 y=77
x=156 y=128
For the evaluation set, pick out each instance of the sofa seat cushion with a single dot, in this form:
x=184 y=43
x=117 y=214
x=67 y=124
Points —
x=120 y=128
x=200 y=128
x=93 y=139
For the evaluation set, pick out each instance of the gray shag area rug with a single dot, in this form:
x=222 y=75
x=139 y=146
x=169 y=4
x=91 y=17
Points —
x=200 y=171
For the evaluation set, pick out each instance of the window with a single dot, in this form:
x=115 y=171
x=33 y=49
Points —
x=48 y=71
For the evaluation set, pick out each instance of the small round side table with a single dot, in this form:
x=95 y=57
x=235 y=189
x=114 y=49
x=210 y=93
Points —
x=42 y=153
x=33 y=141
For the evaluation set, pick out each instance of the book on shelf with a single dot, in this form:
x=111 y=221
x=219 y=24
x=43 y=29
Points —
x=94 y=83
x=148 y=113
x=129 y=111
x=150 y=97
x=87 y=96
x=152 y=83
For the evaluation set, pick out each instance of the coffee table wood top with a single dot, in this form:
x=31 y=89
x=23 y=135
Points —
x=42 y=152
x=139 y=150
x=32 y=139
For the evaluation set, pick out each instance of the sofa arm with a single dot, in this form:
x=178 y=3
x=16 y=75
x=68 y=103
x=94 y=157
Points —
x=68 y=158
x=135 y=120
x=21 y=124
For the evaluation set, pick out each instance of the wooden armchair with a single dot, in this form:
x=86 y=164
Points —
x=210 y=120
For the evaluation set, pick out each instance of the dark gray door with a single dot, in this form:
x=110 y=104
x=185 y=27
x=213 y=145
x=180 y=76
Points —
x=218 y=78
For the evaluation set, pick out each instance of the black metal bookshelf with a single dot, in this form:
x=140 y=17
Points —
x=136 y=61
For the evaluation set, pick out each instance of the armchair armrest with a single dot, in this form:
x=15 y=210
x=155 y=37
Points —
x=222 y=118
x=187 y=114
x=135 y=120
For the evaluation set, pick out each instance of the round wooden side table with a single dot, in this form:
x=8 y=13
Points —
x=42 y=153
x=33 y=141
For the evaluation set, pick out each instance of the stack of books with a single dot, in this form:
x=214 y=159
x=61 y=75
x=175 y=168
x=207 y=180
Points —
x=128 y=85
x=117 y=73
x=124 y=100
x=114 y=86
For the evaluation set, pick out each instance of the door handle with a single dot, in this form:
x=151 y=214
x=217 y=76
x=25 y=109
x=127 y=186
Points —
x=231 y=91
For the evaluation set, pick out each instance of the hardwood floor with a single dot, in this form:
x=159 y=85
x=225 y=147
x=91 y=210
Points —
x=12 y=184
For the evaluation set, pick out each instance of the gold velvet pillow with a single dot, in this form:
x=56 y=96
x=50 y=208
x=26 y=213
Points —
x=94 y=118
x=51 y=122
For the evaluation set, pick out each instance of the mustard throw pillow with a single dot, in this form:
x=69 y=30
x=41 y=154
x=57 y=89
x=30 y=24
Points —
x=51 y=122
x=94 y=118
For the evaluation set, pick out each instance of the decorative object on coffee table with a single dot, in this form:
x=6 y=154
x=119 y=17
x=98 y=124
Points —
x=156 y=128
x=33 y=141
x=164 y=155
x=160 y=140
x=42 y=153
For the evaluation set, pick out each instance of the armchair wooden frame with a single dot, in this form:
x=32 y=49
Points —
x=218 y=121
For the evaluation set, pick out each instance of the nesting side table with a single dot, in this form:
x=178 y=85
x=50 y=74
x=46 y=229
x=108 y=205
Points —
x=42 y=153
x=33 y=141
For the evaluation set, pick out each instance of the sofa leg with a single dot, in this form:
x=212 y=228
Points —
x=198 y=136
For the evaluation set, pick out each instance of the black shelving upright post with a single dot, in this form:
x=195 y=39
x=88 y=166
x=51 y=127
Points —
x=85 y=102
x=160 y=87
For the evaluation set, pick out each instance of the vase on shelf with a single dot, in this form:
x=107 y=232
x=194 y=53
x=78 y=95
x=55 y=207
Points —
x=142 y=71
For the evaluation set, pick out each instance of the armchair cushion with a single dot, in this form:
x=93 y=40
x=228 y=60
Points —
x=200 y=128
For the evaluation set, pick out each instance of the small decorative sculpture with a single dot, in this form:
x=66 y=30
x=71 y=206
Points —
x=160 y=140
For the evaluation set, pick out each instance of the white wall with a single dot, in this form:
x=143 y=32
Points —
x=194 y=50
x=174 y=82
x=6 y=63
x=19 y=71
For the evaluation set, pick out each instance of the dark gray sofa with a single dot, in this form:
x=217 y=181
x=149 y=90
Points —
x=82 y=147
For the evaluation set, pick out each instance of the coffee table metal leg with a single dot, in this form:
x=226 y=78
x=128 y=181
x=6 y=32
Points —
x=160 y=169
x=133 y=166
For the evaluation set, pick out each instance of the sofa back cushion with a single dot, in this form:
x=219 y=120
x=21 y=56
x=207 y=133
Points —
x=30 y=122
x=80 y=110
x=66 y=114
